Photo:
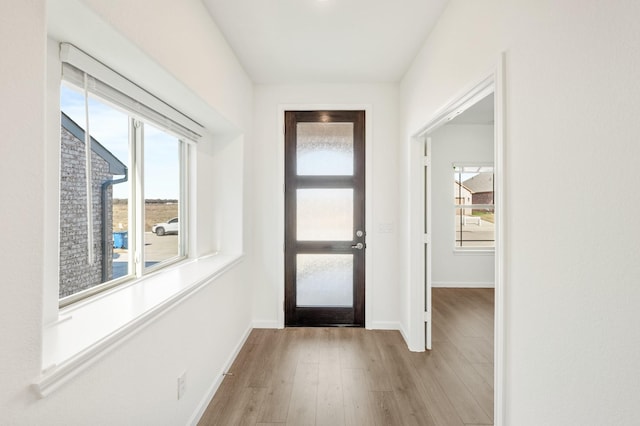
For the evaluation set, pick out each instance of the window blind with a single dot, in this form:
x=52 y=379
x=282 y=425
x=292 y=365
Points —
x=78 y=67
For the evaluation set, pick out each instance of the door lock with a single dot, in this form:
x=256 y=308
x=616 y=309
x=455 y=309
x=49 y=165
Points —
x=359 y=233
x=358 y=246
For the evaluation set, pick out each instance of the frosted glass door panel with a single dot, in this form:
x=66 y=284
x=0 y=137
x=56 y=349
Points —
x=324 y=149
x=325 y=214
x=324 y=280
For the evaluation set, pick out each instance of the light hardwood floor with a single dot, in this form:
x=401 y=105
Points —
x=349 y=376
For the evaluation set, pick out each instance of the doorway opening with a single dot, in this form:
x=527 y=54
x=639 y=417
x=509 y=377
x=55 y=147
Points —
x=479 y=234
x=462 y=253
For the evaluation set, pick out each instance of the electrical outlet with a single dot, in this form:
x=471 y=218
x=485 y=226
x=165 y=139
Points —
x=181 y=384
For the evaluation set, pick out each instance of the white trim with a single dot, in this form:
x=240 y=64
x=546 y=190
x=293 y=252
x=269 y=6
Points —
x=427 y=248
x=204 y=403
x=71 y=344
x=467 y=284
x=501 y=246
x=472 y=164
x=416 y=272
x=474 y=251
x=280 y=224
x=491 y=81
x=459 y=104
x=386 y=325
x=267 y=324
x=473 y=206
x=136 y=139
x=404 y=333
x=369 y=214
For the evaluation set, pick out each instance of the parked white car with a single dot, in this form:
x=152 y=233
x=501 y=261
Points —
x=169 y=227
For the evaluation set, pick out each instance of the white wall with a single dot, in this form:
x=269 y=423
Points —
x=572 y=251
x=381 y=102
x=22 y=44
x=456 y=143
x=200 y=56
x=135 y=383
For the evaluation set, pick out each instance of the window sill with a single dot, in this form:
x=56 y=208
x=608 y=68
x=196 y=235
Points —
x=86 y=331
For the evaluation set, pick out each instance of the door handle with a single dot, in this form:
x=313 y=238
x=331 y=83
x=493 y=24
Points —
x=358 y=246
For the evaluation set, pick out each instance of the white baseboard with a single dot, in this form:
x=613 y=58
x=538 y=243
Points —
x=404 y=335
x=266 y=324
x=458 y=284
x=390 y=325
x=385 y=325
x=197 y=415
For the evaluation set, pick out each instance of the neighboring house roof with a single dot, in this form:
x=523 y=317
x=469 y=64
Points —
x=482 y=182
x=463 y=186
x=116 y=167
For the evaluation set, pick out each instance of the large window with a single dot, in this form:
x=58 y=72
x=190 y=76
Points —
x=123 y=187
x=474 y=207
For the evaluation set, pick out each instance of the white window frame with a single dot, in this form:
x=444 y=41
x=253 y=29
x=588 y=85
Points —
x=74 y=338
x=115 y=90
x=470 y=249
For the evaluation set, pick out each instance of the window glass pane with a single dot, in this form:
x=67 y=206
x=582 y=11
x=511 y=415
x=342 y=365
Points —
x=325 y=149
x=72 y=104
x=474 y=185
x=324 y=214
x=162 y=195
x=110 y=193
x=324 y=280
x=475 y=227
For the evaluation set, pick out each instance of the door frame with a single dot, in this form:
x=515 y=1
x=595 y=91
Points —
x=354 y=315
x=491 y=81
x=280 y=201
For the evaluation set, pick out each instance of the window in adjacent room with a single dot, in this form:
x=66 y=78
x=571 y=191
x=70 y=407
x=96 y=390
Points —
x=474 y=206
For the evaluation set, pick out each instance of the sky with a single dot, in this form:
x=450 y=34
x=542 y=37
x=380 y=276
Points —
x=110 y=127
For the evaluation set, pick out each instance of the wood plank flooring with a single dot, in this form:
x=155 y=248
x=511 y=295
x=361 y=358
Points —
x=352 y=376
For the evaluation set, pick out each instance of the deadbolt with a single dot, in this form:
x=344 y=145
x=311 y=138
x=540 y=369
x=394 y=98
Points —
x=359 y=233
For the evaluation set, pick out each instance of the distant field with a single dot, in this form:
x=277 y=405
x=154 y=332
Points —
x=155 y=212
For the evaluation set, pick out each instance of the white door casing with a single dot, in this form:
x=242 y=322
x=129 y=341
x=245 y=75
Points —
x=420 y=326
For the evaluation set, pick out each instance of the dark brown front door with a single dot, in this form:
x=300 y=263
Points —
x=324 y=216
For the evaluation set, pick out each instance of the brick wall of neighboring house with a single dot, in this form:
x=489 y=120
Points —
x=483 y=198
x=76 y=273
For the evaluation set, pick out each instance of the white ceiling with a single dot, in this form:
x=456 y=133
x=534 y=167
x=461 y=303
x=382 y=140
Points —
x=345 y=41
